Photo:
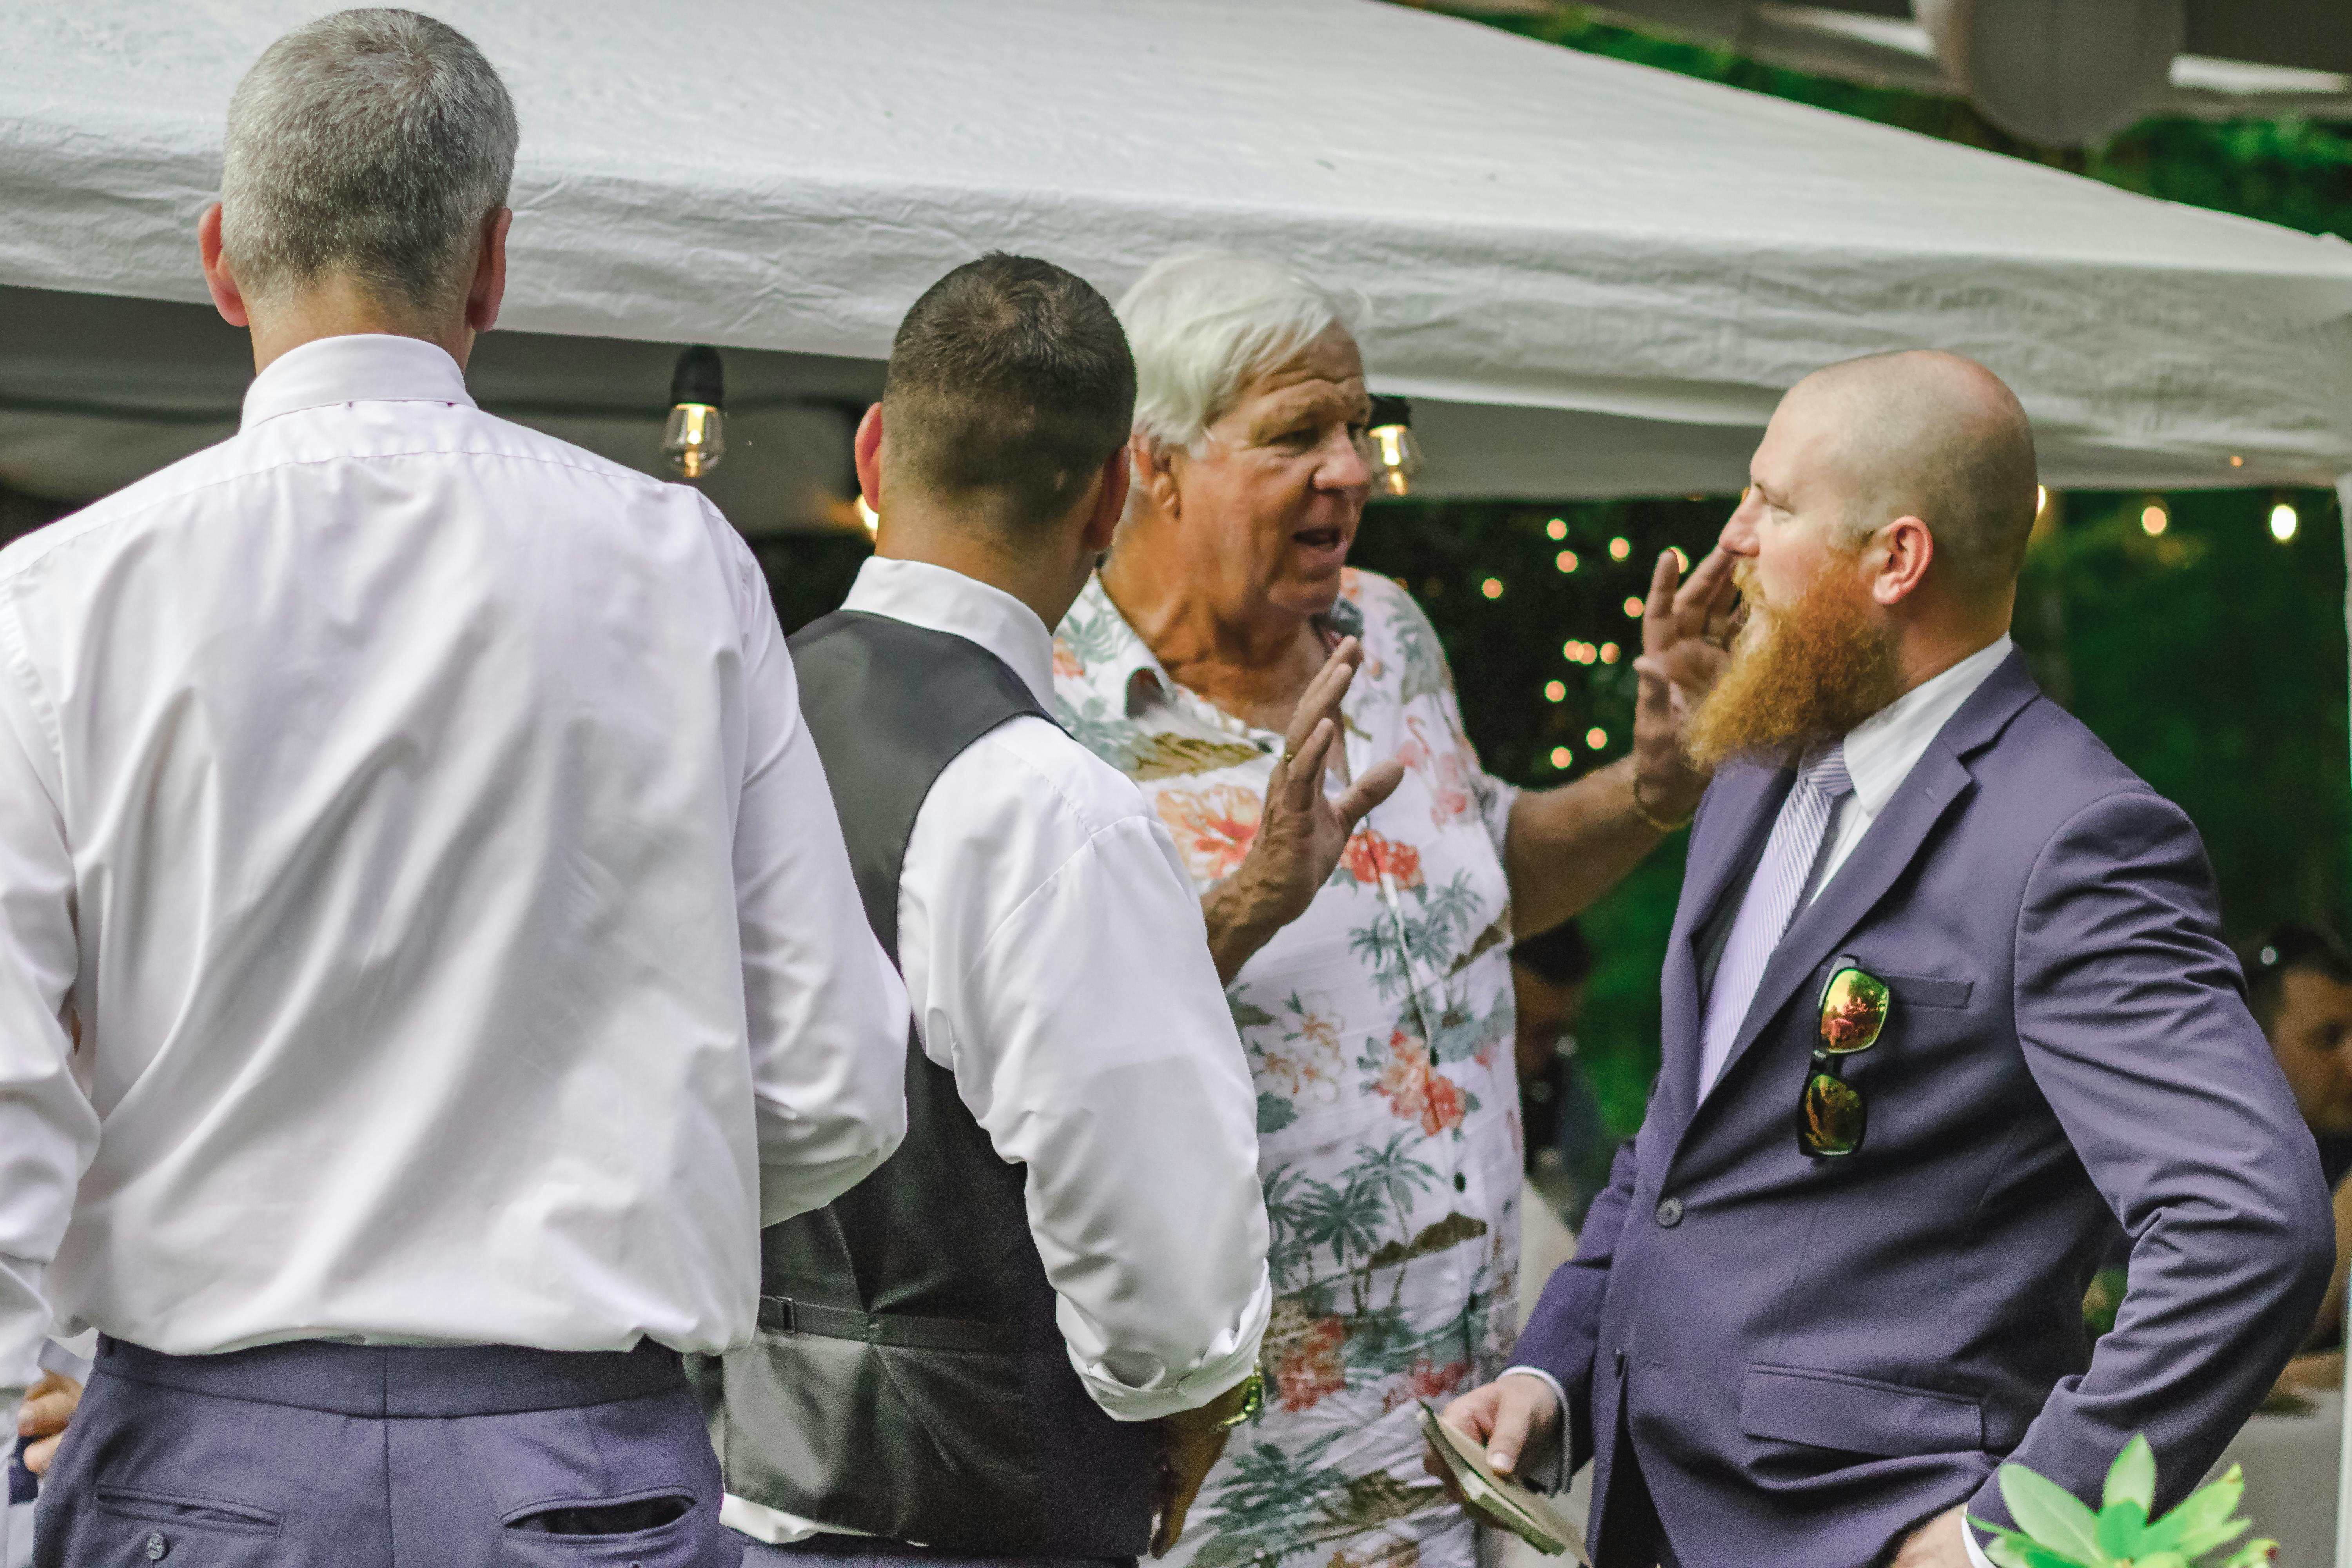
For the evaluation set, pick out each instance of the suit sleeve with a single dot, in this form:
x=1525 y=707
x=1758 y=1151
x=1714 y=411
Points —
x=1563 y=1336
x=2131 y=1016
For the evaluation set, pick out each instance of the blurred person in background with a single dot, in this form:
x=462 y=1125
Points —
x=1568 y=1147
x=2299 y=987
x=1226 y=659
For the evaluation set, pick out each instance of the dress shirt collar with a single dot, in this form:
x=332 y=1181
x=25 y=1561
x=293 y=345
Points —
x=362 y=367
x=1881 y=750
x=940 y=600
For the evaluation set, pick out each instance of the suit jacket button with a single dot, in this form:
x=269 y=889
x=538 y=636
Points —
x=157 y=1547
x=1670 y=1212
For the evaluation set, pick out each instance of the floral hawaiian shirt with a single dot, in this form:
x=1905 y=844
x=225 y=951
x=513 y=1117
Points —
x=1379 y=1026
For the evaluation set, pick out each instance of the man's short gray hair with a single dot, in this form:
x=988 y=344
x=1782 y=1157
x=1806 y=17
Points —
x=1204 y=323
x=370 y=144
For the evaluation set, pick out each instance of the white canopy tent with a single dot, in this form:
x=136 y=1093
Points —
x=1594 y=277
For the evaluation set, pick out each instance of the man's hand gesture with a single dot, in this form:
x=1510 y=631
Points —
x=1301 y=831
x=1685 y=639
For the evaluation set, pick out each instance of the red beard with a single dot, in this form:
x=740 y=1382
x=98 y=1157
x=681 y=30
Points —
x=1799 y=677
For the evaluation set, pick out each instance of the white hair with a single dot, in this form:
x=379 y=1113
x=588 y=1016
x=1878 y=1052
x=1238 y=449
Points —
x=368 y=144
x=1204 y=323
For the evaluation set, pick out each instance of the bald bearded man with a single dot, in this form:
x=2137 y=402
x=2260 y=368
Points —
x=1946 y=998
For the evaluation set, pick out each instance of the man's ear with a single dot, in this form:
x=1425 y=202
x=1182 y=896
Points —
x=1910 y=550
x=227 y=298
x=488 y=289
x=1154 y=475
x=866 y=448
x=1110 y=502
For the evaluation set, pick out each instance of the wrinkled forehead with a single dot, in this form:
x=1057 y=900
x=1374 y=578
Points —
x=1322 y=384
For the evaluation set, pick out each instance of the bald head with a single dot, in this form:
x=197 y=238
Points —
x=1931 y=436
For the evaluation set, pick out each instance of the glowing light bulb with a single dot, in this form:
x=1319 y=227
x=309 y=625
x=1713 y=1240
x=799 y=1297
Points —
x=1492 y=587
x=1632 y=607
x=1596 y=738
x=1565 y=559
x=1555 y=690
x=868 y=517
x=2236 y=461
x=1396 y=456
x=2154 y=519
x=694 y=438
x=1619 y=548
x=1560 y=756
x=1555 y=529
x=2284 y=522
x=2040 y=499
x=1609 y=653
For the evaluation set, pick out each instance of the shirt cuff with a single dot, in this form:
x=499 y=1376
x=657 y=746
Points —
x=1549 y=1473
x=1218 y=1371
x=1976 y=1558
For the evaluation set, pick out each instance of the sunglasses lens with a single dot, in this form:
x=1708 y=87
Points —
x=1831 y=1119
x=1853 y=1011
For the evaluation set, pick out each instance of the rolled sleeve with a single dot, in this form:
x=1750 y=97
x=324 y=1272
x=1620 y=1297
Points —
x=826 y=1013
x=1100 y=1053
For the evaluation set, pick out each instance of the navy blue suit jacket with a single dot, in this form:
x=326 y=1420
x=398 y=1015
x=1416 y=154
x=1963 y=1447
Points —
x=1807 y=1357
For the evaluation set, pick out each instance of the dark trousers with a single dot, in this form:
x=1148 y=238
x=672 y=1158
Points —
x=365 y=1456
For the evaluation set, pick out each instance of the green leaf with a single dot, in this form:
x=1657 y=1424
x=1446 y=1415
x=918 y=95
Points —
x=2252 y=1555
x=2199 y=1511
x=2119 y=1528
x=2132 y=1478
x=2197 y=1542
x=2011 y=1550
x=2051 y=1515
x=2161 y=1559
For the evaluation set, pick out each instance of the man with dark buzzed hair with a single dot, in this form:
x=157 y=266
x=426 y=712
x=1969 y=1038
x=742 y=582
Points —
x=1027 y=1334
x=1944 y=999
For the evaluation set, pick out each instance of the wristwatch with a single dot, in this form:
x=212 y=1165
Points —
x=1252 y=1389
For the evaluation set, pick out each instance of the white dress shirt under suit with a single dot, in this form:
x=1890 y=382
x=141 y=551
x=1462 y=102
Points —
x=423 y=919
x=1058 y=965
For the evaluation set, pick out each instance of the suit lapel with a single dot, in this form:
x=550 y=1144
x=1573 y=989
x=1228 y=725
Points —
x=1935 y=788
x=1740 y=811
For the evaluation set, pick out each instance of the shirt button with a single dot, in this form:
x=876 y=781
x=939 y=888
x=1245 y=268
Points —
x=156 y=1547
x=1670 y=1212
x=1461 y=1182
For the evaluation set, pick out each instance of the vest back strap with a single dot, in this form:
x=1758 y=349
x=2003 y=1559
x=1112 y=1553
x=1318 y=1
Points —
x=783 y=1315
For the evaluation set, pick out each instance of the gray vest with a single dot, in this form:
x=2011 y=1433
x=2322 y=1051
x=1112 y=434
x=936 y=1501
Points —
x=908 y=1379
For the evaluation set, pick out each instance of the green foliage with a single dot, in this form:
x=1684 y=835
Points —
x=2055 y=1531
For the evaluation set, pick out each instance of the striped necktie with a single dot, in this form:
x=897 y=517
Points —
x=1770 y=902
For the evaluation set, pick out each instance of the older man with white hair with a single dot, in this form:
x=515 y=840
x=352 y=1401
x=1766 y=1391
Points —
x=1370 y=971
x=428 y=948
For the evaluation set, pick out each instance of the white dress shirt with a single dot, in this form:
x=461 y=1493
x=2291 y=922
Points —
x=1059 y=966
x=423 y=919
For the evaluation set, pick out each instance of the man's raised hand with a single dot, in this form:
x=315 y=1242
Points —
x=1301 y=831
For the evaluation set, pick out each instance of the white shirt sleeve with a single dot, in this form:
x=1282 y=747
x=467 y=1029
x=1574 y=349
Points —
x=49 y=1131
x=825 y=1011
x=1064 y=976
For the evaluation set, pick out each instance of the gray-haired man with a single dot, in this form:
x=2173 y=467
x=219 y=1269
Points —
x=428 y=948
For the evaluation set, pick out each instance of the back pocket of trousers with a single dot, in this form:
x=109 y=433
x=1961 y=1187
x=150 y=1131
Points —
x=192 y=1513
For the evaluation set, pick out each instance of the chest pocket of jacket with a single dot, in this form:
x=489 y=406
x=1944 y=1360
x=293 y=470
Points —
x=1927 y=991
x=1856 y=1414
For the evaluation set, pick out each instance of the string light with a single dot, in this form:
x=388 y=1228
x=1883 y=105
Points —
x=2236 y=461
x=1555 y=690
x=2154 y=519
x=694 y=438
x=1596 y=738
x=1557 y=528
x=1395 y=454
x=1565 y=559
x=2282 y=523
x=868 y=517
x=1560 y=756
x=1632 y=607
x=1492 y=587
x=1619 y=548
x=2040 y=499
x=1609 y=653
